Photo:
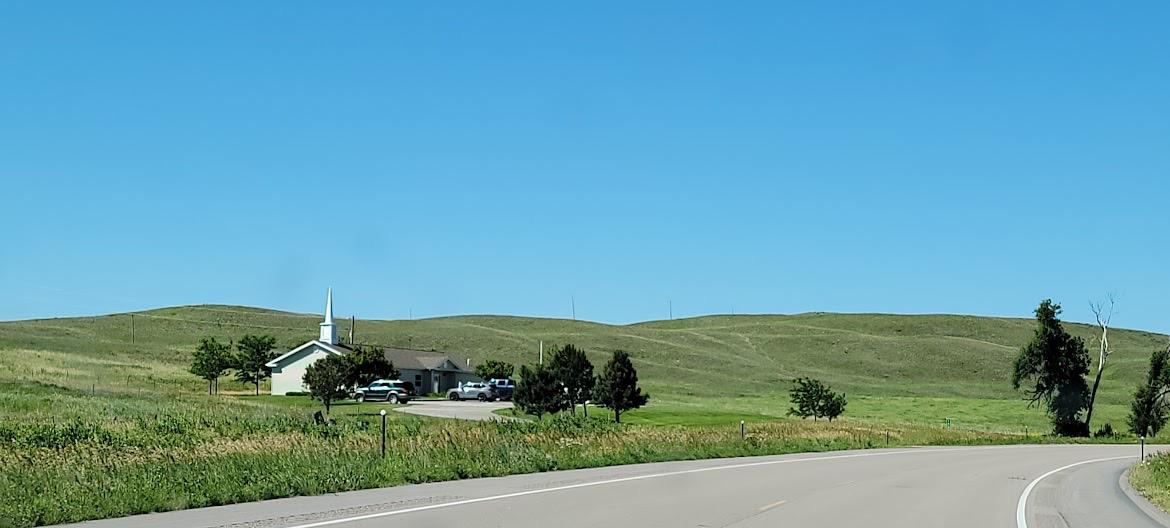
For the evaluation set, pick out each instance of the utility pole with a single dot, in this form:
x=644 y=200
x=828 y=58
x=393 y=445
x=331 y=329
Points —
x=132 y=329
x=573 y=302
x=670 y=309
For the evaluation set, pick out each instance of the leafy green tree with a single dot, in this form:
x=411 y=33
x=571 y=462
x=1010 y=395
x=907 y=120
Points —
x=806 y=395
x=1054 y=364
x=538 y=392
x=575 y=374
x=1148 y=411
x=367 y=365
x=211 y=361
x=494 y=369
x=812 y=398
x=253 y=353
x=832 y=405
x=328 y=379
x=617 y=387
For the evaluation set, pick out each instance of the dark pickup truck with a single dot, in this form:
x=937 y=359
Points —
x=504 y=388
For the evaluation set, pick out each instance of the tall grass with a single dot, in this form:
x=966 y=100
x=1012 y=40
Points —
x=86 y=469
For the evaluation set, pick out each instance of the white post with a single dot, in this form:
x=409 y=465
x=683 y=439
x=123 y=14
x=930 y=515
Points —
x=541 y=351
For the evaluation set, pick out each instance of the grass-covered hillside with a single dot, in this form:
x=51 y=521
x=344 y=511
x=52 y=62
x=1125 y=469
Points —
x=893 y=366
x=98 y=422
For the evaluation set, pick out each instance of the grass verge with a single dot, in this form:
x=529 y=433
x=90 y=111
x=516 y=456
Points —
x=1152 y=479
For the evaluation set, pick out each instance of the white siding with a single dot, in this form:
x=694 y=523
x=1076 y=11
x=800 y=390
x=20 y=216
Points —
x=288 y=377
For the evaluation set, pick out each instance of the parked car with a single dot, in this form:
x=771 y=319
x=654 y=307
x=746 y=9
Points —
x=393 y=391
x=504 y=388
x=473 y=391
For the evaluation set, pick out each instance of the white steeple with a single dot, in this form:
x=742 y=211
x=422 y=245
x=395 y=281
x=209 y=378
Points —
x=328 y=329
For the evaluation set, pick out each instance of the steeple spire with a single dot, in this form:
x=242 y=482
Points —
x=328 y=329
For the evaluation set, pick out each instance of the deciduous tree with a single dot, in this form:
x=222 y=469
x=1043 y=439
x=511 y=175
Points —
x=806 y=395
x=367 y=365
x=211 y=361
x=253 y=354
x=328 y=379
x=494 y=369
x=1104 y=315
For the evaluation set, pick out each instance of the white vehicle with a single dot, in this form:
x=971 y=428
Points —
x=473 y=391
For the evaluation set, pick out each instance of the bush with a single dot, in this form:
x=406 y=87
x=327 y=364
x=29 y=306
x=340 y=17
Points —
x=1106 y=431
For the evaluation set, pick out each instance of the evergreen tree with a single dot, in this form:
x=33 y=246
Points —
x=617 y=387
x=1148 y=411
x=1055 y=363
x=538 y=392
x=253 y=354
x=328 y=379
x=575 y=374
x=211 y=361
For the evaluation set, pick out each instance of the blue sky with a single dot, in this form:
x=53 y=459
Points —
x=436 y=158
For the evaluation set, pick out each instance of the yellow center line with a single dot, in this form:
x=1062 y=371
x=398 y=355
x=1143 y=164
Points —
x=773 y=505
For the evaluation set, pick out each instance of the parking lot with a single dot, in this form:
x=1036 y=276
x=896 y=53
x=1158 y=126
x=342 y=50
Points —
x=463 y=410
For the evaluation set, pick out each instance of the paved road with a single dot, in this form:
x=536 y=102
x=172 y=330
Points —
x=961 y=487
x=463 y=410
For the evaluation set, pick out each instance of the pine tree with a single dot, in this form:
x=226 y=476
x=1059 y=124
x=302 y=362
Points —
x=575 y=374
x=1148 y=411
x=538 y=392
x=1055 y=364
x=617 y=387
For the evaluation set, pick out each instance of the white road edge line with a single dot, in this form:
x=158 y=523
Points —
x=773 y=505
x=626 y=479
x=1021 y=517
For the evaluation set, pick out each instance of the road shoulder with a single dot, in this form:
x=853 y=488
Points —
x=1152 y=511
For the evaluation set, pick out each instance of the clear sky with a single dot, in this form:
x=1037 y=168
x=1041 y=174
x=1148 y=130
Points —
x=437 y=158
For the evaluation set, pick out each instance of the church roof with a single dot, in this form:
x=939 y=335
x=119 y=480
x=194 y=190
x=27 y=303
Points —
x=404 y=358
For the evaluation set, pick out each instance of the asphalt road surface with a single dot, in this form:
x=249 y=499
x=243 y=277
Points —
x=463 y=410
x=961 y=487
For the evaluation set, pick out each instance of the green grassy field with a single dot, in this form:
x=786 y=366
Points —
x=86 y=405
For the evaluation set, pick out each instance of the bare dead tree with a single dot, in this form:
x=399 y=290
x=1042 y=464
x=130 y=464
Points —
x=1103 y=311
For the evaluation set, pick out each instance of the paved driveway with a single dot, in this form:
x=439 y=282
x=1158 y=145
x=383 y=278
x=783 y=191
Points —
x=463 y=410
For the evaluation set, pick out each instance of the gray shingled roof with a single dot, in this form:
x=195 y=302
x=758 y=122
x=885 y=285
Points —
x=424 y=360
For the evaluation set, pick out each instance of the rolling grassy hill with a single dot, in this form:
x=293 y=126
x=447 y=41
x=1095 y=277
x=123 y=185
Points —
x=893 y=366
x=99 y=420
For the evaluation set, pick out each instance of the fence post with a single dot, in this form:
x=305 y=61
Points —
x=742 y=434
x=383 y=413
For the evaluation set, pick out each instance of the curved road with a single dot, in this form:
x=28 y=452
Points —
x=961 y=487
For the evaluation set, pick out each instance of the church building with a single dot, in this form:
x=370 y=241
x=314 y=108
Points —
x=428 y=371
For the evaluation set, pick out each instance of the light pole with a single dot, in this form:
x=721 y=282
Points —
x=383 y=413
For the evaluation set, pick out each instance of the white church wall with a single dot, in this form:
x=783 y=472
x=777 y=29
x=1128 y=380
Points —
x=289 y=377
